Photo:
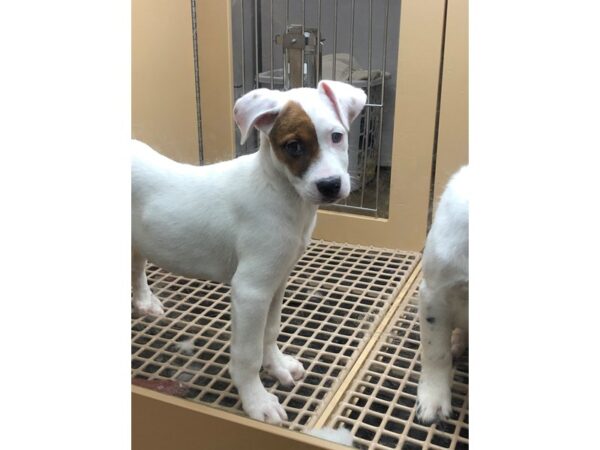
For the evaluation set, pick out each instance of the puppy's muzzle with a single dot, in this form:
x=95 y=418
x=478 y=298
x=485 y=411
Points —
x=330 y=188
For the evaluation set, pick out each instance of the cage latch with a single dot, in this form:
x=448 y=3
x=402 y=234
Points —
x=302 y=56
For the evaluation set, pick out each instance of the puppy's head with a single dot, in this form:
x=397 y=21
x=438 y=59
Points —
x=308 y=132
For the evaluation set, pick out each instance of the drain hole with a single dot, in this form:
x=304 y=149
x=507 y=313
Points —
x=351 y=413
x=411 y=446
x=305 y=391
x=372 y=420
x=379 y=407
x=388 y=441
x=209 y=397
x=220 y=386
x=202 y=381
x=136 y=363
x=167 y=372
x=441 y=441
x=394 y=427
x=400 y=413
x=417 y=433
x=213 y=369
x=296 y=403
x=147 y=354
x=151 y=368
x=365 y=434
x=319 y=368
x=184 y=376
x=385 y=396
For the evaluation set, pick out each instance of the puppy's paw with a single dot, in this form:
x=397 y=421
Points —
x=148 y=306
x=460 y=340
x=285 y=368
x=433 y=402
x=265 y=407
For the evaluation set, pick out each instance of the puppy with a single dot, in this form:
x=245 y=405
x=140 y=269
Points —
x=444 y=293
x=247 y=221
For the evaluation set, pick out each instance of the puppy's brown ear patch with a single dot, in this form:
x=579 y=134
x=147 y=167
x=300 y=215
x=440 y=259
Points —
x=294 y=125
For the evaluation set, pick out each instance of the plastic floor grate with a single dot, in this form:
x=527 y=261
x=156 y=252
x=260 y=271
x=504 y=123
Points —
x=379 y=405
x=334 y=299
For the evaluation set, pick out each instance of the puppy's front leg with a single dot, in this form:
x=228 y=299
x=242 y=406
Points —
x=434 y=396
x=285 y=368
x=251 y=298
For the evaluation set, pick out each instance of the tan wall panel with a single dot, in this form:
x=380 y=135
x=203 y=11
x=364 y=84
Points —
x=163 y=90
x=213 y=18
x=453 y=139
x=161 y=422
x=414 y=121
x=355 y=229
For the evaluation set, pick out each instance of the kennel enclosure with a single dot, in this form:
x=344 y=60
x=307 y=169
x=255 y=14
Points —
x=350 y=311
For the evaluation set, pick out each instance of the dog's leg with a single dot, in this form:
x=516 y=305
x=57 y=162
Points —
x=251 y=299
x=434 y=395
x=285 y=368
x=144 y=302
x=460 y=340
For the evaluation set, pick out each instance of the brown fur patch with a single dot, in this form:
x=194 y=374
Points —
x=293 y=124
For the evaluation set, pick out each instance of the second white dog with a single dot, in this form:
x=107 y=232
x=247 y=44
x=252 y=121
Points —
x=247 y=221
x=444 y=292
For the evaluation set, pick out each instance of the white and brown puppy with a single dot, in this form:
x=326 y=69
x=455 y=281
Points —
x=444 y=293
x=247 y=221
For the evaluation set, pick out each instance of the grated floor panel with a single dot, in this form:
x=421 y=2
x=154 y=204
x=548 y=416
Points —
x=379 y=405
x=334 y=299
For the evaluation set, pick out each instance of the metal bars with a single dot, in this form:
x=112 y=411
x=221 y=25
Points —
x=197 y=83
x=346 y=59
x=385 y=33
x=368 y=123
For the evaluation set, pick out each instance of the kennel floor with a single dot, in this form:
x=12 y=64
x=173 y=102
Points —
x=349 y=315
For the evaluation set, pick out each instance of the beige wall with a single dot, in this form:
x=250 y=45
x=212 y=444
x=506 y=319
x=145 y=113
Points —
x=163 y=102
x=216 y=79
x=453 y=139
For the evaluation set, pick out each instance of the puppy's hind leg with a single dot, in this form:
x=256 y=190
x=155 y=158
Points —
x=460 y=341
x=251 y=298
x=144 y=302
x=433 y=394
x=285 y=368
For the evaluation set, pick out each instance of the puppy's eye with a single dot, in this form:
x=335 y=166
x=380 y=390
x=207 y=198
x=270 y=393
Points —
x=336 y=137
x=294 y=148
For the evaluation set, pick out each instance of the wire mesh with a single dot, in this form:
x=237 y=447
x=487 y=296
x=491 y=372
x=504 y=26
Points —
x=260 y=60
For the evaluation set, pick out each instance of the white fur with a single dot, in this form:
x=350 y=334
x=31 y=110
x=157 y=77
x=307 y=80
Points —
x=244 y=222
x=341 y=436
x=186 y=347
x=444 y=298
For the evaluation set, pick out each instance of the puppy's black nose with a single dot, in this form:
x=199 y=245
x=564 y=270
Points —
x=329 y=187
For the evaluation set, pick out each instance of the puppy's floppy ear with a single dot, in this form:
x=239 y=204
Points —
x=347 y=100
x=257 y=108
